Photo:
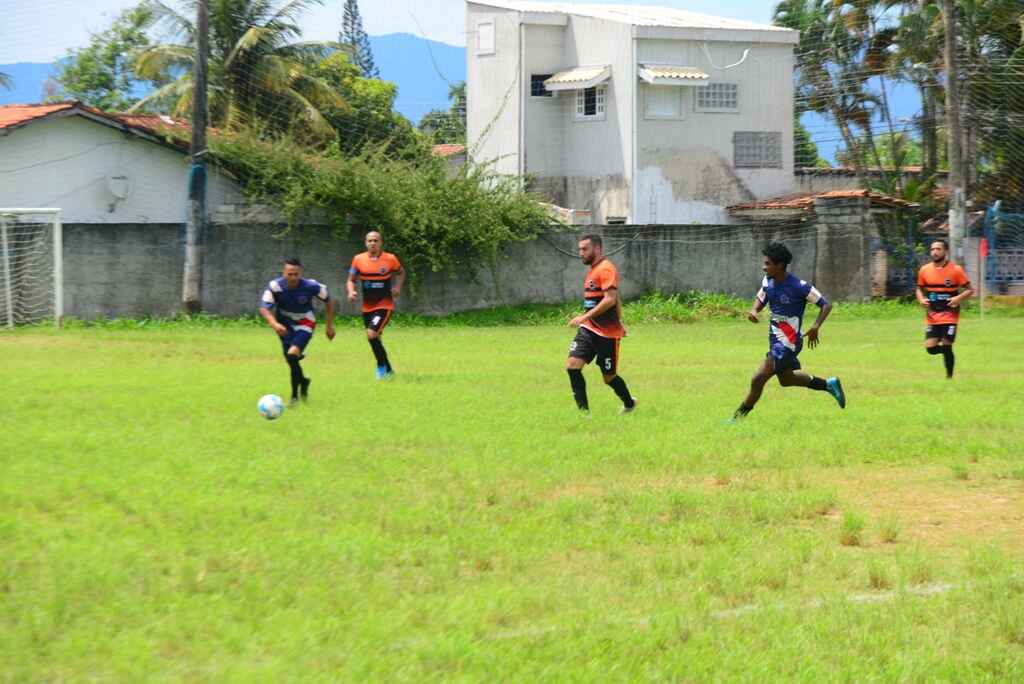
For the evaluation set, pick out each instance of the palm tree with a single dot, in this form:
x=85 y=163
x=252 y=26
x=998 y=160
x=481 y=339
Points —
x=5 y=81
x=257 y=73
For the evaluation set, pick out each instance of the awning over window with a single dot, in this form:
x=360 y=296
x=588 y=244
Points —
x=578 y=78
x=661 y=74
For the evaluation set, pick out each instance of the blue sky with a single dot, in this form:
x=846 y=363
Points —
x=43 y=30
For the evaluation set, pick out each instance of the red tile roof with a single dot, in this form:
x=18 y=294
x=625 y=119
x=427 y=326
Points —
x=805 y=201
x=17 y=114
x=448 y=150
x=158 y=125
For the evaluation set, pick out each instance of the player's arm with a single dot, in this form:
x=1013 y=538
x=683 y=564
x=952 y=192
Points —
x=757 y=306
x=329 y=328
x=266 y=304
x=608 y=302
x=967 y=292
x=825 y=308
x=350 y=284
x=396 y=289
x=922 y=299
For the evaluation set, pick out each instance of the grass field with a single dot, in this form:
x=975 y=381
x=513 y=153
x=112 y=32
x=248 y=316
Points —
x=463 y=522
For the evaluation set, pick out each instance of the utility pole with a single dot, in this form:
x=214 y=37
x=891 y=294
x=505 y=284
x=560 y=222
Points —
x=192 y=282
x=958 y=199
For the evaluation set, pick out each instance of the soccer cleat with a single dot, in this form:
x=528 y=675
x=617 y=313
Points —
x=293 y=402
x=304 y=389
x=626 y=410
x=382 y=372
x=835 y=388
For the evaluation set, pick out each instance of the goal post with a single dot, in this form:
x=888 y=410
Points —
x=31 y=266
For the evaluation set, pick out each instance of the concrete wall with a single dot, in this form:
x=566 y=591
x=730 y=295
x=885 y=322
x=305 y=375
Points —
x=65 y=162
x=134 y=270
x=685 y=165
x=493 y=84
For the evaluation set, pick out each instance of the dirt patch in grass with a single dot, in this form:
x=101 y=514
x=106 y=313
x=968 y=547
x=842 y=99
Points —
x=933 y=508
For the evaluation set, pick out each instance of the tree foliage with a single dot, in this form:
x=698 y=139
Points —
x=448 y=126
x=6 y=81
x=353 y=35
x=101 y=74
x=365 y=118
x=437 y=223
x=258 y=74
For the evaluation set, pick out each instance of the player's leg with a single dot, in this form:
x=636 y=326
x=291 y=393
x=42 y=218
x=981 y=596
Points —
x=945 y=345
x=757 y=383
x=581 y=352
x=787 y=369
x=296 y=345
x=608 y=362
x=375 y=322
x=932 y=337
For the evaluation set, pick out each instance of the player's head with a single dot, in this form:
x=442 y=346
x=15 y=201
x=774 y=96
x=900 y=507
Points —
x=292 y=271
x=777 y=258
x=374 y=242
x=939 y=250
x=591 y=249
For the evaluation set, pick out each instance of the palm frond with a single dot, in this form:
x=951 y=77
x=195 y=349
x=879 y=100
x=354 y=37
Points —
x=156 y=61
x=173 y=90
x=249 y=41
x=162 y=13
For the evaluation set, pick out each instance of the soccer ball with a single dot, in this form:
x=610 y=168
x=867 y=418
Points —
x=270 y=406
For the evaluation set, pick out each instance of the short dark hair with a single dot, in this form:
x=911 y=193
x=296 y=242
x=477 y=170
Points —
x=945 y=243
x=778 y=253
x=594 y=239
x=293 y=262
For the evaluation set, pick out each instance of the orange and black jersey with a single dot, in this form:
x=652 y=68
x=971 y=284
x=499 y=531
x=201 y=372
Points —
x=603 y=276
x=939 y=284
x=375 y=274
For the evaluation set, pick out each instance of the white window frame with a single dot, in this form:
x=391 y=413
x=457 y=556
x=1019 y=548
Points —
x=600 y=106
x=716 y=110
x=679 y=114
x=482 y=49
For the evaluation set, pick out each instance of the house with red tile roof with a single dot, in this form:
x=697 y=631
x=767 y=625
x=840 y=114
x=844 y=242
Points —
x=99 y=167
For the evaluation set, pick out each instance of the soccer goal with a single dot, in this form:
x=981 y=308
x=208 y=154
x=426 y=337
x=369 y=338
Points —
x=31 y=268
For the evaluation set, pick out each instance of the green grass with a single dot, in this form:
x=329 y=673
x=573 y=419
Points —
x=462 y=522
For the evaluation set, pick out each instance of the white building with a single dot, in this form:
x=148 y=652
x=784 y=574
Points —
x=636 y=114
x=99 y=167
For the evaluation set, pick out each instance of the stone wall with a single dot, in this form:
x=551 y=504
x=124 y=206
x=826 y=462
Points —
x=136 y=269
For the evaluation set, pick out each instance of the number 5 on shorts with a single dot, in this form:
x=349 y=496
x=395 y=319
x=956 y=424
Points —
x=608 y=363
x=376 y=320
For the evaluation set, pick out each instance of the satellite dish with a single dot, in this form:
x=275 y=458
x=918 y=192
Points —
x=119 y=185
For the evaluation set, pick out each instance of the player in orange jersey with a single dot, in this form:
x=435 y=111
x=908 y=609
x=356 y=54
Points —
x=941 y=286
x=375 y=268
x=600 y=326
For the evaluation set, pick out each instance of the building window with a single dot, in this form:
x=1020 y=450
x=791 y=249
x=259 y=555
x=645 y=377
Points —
x=663 y=102
x=537 y=88
x=757 y=150
x=590 y=103
x=485 y=38
x=718 y=97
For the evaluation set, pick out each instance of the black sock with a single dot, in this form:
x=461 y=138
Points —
x=933 y=350
x=579 y=388
x=742 y=411
x=380 y=354
x=296 y=368
x=619 y=385
x=949 y=359
x=818 y=384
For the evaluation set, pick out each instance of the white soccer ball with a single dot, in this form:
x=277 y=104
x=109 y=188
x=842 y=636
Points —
x=270 y=406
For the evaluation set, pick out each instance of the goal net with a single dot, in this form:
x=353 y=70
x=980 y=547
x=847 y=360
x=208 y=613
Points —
x=31 y=277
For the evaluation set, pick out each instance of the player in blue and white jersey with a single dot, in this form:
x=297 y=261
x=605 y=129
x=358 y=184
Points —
x=787 y=296
x=287 y=307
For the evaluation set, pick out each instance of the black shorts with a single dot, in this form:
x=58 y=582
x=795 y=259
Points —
x=376 y=320
x=941 y=331
x=589 y=345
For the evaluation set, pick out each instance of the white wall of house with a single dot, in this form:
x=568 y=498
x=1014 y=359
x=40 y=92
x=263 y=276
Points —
x=493 y=87
x=687 y=170
x=65 y=163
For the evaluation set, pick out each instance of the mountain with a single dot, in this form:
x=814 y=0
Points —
x=28 y=80
x=421 y=68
